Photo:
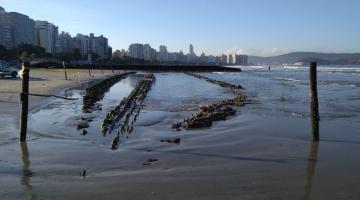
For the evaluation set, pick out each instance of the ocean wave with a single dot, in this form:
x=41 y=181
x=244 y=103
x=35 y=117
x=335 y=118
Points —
x=288 y=79
x=340 y=83
x=297 y=114
x=334 y=69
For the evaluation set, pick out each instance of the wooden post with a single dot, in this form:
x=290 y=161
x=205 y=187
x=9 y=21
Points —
x=66 y=78
x=89 y=72
x=24 y=101
x=314 y=102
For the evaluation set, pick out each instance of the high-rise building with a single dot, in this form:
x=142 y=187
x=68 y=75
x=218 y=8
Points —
x=21 y=28
x=182 y=58
x=153 y=54
x=5 y=31
x=84 y=44
x=231 y=59
x=211 y=59
x=203 y=58
x=5 y=36
x=119 y=53
x=191 y=57
x=136 y=51
x=192 y=52
x=75 y=44
x=163 y=49
x=64 y=43
x=149 y=52
x=92 y=44
x=224 y=59
x=98 y=45
x=46 y=36
x=109 y=51
x=241 y=59
x=163 y=53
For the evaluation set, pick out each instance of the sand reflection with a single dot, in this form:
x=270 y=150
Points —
x=310 y=169
x=27 y=173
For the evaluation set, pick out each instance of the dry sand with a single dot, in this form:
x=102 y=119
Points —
x=44 y=81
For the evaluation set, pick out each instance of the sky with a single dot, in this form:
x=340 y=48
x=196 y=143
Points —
x=254 y=27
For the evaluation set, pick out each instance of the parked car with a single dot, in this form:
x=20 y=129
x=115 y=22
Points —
x=7 y=70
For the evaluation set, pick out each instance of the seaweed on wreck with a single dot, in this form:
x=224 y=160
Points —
x=207 y=114
x=129 y=108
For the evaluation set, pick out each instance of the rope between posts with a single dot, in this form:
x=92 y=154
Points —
x=45 y=95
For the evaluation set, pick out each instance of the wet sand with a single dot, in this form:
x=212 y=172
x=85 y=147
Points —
x=42 y=81
x=263 y=152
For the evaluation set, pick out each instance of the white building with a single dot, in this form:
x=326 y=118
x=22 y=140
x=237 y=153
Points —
x=46 y=36
x=136 y=51
x=163 y=53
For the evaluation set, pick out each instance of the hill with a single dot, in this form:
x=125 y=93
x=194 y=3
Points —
x=322 y=58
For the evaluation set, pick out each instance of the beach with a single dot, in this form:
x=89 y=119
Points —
x=264 y=151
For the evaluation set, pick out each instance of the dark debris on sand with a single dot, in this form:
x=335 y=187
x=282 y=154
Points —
x=207 y=114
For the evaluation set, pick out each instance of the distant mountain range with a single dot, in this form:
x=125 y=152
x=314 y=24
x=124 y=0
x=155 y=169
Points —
x=306 y=57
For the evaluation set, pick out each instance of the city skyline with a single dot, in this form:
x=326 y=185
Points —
x=221 y=27
x=17 y=29
x=147 y=53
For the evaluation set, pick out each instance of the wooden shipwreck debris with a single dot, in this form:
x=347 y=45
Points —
x=207 y=114
x=96 y=92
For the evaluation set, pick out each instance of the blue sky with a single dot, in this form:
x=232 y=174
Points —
x=257 y=27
